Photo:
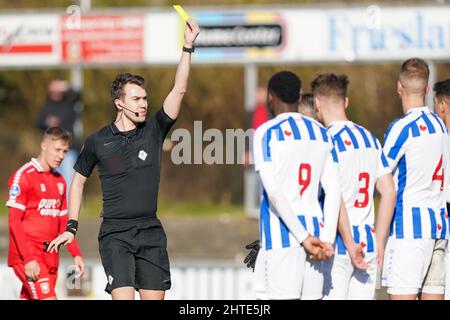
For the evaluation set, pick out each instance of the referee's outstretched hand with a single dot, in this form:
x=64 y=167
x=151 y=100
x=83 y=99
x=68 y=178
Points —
x=250 y=259
x=63 y=239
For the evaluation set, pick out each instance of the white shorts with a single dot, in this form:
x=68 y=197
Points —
x=414 y=265
x=342 y=281
x=287 y=274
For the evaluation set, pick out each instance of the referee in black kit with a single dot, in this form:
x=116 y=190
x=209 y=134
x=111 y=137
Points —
x=132 y=241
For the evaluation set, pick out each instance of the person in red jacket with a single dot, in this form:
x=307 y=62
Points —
x=260 y=113
x=37 y=214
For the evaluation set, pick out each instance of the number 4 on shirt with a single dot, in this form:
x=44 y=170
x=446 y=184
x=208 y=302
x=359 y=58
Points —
x=437 y=176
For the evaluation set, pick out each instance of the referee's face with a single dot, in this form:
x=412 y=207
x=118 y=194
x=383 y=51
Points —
x=135 y=100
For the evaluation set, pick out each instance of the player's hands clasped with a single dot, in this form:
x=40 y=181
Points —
x=190 y=33
x=63 y=239
x=316 y=249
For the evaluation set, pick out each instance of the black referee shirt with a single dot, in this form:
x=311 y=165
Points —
x=129 y=166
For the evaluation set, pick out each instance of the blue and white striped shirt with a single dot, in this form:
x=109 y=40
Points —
x=416 y=150
x=361 y=163
x=298 y=153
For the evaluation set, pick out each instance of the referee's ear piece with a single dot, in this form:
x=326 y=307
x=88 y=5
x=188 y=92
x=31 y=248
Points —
x=126 y=108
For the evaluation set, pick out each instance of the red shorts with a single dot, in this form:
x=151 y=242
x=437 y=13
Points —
x=43 y=288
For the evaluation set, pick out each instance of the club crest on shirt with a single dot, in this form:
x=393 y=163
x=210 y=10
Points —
x=60 y=188
x=43 y=188
x=142 y=155
x=14 y=191
x=45 y=288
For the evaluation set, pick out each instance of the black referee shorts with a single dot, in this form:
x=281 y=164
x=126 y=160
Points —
x=134 y=254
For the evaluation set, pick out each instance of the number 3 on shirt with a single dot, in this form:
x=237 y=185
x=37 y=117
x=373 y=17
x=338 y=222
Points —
x=304 y=176
x=364 y=190
x=437 y=176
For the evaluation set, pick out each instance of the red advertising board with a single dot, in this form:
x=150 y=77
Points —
x=103 y=38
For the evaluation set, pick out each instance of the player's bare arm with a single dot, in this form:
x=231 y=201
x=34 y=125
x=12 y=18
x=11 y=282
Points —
x=385 y=186
x=172 y=103
x=355 y=251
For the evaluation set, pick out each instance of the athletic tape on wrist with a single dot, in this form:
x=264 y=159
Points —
x=72 y=226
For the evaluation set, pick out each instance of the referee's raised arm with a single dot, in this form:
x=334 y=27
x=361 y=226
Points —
x=172 y=103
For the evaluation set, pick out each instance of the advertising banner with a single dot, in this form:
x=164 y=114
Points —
x=103 y=39
x=29 y=39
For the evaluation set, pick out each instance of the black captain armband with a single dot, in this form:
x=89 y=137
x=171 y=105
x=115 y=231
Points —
x=72 y=226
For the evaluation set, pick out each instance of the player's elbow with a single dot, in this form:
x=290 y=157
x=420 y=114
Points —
x=179 y=90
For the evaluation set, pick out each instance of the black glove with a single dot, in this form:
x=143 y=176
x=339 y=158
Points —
x=250 y=259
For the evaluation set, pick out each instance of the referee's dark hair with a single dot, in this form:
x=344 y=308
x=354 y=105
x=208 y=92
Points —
x=330 y=85
x=442 y=90
x=117 y=86
x=57 y=133
x=286 y=86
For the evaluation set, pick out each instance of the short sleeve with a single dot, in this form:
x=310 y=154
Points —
x=163 y=121
x=87 y=159
x=258 y=154
x=18 y=191
x=383 y=165
x=394 y=145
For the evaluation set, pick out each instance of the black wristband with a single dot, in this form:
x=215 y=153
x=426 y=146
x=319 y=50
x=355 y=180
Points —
x=190 y=50
x=72 y=226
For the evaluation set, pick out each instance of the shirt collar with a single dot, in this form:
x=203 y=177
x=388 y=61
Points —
x=419 y=109
x=36 y=164
x=116 y=131
x=287 y=115
x=339 y=122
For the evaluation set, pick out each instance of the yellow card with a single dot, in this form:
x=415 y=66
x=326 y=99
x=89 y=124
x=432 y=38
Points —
x=181 y=12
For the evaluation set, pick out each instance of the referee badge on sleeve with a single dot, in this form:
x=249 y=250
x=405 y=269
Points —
x=142 y=155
